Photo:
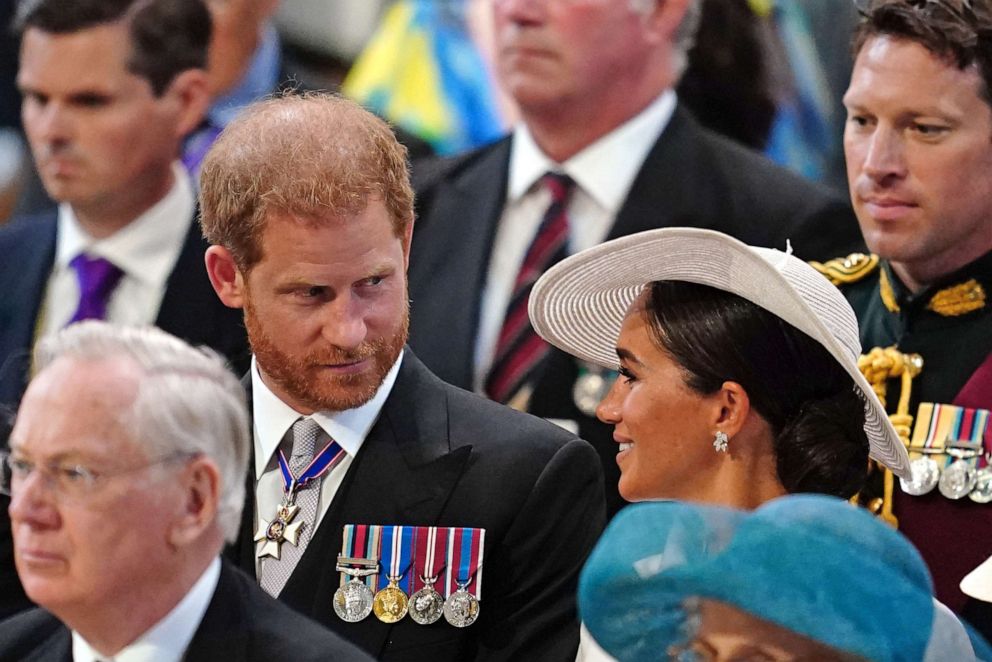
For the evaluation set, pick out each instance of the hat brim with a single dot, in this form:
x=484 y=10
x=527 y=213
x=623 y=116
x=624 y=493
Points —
x=579 y=304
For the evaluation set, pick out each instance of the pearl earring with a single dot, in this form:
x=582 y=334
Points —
x=720 y=442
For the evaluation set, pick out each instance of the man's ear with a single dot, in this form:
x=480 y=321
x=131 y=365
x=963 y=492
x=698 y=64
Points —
x=200 y=484
x=663 y=18
x=191 y=91
x=225 y=276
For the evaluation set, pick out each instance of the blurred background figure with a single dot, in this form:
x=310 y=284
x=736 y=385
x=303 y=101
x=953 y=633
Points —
x=426 y=70
x=803 y=577
x=122 y=244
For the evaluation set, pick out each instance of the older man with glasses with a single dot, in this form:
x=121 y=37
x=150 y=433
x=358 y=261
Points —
x=125 y=473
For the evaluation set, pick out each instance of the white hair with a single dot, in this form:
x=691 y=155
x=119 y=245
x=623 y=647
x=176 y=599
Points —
x=685 y=35
x=187 y=400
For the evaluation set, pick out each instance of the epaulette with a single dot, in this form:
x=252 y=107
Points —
x=847 y=270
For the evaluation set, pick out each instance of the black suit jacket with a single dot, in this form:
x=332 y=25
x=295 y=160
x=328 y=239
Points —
x=190 y=309
x=439 y=456
x=241 y=624
x=691 y=177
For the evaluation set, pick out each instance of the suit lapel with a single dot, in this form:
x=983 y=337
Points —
x=467 y=211
x=242 y=551
x=221 y=633
x=658 y=195
x=24 y=280
x=404 y=474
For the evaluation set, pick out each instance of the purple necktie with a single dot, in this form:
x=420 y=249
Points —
x=97 y=279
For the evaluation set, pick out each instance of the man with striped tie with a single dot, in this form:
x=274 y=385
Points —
x=604 y=149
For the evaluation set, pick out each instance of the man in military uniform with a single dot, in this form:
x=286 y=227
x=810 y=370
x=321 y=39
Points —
x=918 y=144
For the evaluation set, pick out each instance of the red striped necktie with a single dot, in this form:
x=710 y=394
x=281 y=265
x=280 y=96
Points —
x=519 y=350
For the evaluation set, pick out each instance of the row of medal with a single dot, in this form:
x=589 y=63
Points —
x=393 y=571
x=951 y=450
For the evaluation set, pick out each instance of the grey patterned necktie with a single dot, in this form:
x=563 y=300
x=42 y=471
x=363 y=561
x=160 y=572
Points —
x=275 y=572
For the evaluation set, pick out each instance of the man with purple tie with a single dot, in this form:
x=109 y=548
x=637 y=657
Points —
x=110 y=88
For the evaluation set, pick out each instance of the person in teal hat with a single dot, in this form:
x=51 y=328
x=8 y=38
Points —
x=803 y=577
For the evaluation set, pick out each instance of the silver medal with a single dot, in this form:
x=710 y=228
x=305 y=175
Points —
x=983 y=486
x=957 y=480
x=924 y=475
x=353 y=601
x=461 y=609
x=426 y=605
x=589 y=390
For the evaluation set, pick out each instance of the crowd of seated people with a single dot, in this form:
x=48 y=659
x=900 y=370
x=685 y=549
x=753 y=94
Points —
x=396 y=406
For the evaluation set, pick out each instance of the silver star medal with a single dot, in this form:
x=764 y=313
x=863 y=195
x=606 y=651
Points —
x=279 y=530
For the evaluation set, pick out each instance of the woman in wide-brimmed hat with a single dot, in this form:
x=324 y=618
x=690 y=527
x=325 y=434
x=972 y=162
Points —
x=738 y=378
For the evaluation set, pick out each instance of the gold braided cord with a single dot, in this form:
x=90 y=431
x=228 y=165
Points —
x=846 y=270
x=879 y=366
x=958 y=299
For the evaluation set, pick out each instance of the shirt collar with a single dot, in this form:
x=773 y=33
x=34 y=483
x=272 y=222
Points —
x=259 y=80
x=605 y=169
x=146 y=248
x=273 y=417
x=168 y=639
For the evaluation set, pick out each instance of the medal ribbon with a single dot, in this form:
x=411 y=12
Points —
x=943 y=424
x=361 y=541
x=429 y=545
x=395 y=559
x=465 y=560
x=321 y=463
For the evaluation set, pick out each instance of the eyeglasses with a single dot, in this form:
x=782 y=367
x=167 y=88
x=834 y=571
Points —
x=72 y=481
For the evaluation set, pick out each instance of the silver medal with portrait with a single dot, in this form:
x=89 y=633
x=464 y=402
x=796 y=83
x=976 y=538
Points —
x=924 y=475
x=957 y=480
x=461 y=609
x=426 y=606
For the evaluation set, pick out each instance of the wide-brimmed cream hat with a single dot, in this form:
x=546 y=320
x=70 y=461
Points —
x=580 y=303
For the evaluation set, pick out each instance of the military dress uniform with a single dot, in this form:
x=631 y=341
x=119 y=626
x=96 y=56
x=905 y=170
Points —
x=932 y=348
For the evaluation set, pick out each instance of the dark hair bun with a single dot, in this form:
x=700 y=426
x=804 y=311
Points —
x=822 y=448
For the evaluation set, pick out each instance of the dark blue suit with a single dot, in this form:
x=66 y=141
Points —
x=190 y=309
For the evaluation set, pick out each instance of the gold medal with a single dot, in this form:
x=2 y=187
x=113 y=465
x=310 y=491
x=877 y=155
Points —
x=390 y=604
x=279 y=530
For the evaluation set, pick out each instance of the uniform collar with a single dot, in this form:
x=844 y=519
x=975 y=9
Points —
x=965 y=291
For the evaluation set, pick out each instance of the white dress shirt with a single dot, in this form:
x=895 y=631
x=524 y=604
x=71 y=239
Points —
x=146 y=250
x=168 y=639
x=272 y=420
x=603 y=172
